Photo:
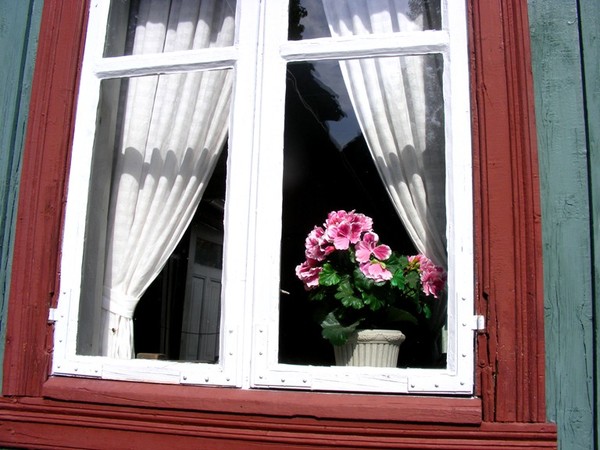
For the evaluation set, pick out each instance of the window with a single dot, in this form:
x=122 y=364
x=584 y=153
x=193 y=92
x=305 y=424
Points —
x=235 y=110
x=508 y=401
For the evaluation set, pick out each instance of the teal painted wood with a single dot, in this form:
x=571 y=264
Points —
x=19 y=27
x=563 y=157
x=590 y=40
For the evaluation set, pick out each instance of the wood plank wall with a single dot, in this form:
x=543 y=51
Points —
x=590 y=43
x=19 y=26
x=566 y=58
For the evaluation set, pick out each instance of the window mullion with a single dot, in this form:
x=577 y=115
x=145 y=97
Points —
x=268 y=184
x=241 y=202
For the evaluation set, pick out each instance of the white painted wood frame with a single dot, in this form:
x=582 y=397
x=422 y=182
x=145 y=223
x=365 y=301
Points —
x=250 y=293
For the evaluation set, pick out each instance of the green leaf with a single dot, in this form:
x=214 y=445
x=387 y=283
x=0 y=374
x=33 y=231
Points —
x=400 y=315
x=361 y=282
x=350 y=301
x=345 y=294
x=335 y=332
x=329 y=276
x=398 y=279
x=317 y=295
x=426 y=311
x=345 y=286
x=412 y=280
x=393 y=263
x=372 y=301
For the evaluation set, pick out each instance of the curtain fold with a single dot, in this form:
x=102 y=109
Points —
x=398 y=102
x=174 y=127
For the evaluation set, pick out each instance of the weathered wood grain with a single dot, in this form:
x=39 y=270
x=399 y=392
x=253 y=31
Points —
x=37 y=235
x=563 y=155
x=509 y=272
x=590 y=40
x=19 y=26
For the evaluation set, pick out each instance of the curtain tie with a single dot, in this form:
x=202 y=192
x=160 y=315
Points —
x=119 y=303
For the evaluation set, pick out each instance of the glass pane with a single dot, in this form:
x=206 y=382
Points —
x=146 y=26
x=158 y=164
x=308 y=19
x=184 y=300
x=209 y=253
x=329 y=164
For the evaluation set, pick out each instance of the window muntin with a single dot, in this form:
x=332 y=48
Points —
x=252 y=296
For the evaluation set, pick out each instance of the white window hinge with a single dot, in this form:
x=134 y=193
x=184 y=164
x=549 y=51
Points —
x=478 y=323
x=52 y=314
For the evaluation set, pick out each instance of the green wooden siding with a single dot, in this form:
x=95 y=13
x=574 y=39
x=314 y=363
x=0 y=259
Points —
x=19 y=26
x=566 y=72
x=590 y=43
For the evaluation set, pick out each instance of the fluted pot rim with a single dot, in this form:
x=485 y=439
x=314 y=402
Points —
x=379 y=335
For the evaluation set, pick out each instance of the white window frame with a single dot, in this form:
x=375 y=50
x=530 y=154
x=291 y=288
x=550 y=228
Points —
x=250 y=295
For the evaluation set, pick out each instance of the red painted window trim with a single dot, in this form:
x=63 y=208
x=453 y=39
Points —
x=510 y=352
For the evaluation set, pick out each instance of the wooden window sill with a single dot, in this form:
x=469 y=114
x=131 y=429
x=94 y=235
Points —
x=281 y=403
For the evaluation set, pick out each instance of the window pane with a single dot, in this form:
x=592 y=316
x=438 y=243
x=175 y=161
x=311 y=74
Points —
x=158 y=155
x=145 y=26
x=184 y=300
x=308 y=18
x=330 y=165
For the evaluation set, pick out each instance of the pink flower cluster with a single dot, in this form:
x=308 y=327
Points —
x=340 y=230
x=433 y=278
x=344 y=230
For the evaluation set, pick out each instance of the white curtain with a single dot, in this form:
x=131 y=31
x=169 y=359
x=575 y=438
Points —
x=174 y=127
x=399 y=105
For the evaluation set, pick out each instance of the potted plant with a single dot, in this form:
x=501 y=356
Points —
x=361 y=284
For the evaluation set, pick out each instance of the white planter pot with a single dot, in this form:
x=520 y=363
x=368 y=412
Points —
x=373 y=348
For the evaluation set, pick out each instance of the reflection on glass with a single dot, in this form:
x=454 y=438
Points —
x=146 y=26
x=309 y=19
x=350 y=154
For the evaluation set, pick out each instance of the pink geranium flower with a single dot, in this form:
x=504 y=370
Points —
x=344 y=228
x=376 y=271
x=368 y=246
x=433 y=278
x=309 y=272
x=317 y=247
x=337 y=217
